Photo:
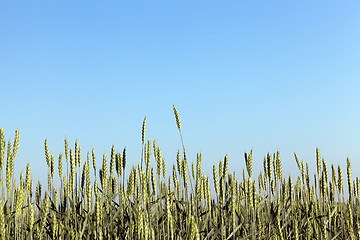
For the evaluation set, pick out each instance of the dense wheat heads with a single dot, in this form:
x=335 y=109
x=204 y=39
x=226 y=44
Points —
x=150 y=207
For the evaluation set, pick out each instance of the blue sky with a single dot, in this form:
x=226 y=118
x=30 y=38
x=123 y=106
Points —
x=267 y=76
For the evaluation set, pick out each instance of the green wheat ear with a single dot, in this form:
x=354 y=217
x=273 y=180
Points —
x=143 y=130
x=177 y=118
x=47 y=153
x=2 y=220
x=2 y=149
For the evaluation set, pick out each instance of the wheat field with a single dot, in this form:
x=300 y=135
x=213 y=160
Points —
x=149 y=203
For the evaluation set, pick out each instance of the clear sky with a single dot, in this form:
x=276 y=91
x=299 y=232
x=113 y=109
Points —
x=261 y=75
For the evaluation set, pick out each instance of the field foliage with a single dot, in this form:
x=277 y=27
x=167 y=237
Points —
x=149 y=203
